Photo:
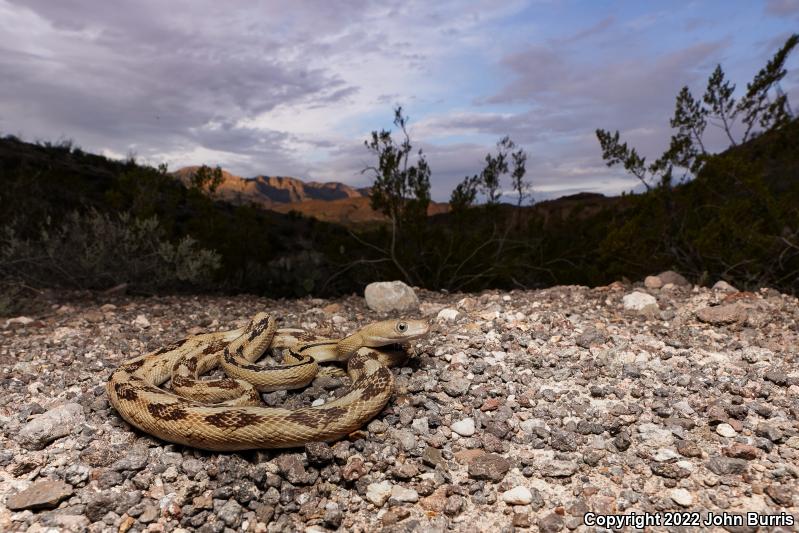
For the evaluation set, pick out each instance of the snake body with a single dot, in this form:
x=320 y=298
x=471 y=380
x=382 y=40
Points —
x=227 y=414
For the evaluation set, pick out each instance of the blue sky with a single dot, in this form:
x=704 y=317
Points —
x=281 y=88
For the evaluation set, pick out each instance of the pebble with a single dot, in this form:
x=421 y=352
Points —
x=447 y=314
x=681 y=497
x=378 y=493
x=517 y=496
x=640 y=302
x=489 y=466
x=402 y=494
x=726 y=430
x=386 y=296
x=40 y=495
x=56 y=423
x=464 y=428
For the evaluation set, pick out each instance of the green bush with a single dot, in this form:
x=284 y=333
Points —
x=97 y=250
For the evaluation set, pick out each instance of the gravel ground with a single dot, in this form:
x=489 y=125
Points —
x=521 y=410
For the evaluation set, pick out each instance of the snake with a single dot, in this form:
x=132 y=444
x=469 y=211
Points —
x=227 y=414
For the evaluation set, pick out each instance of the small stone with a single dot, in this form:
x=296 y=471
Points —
x=681 y=497
x=54 y=424
x=781 y=494
x=558 y=468
x=665 y=454
x=464 y=428
x=726 y=430
x=141 y=322
x=489 y=466
x=291 y=468
x=318 y=452
x=447 y=314
x=432 y=457
x=723 y=286
x=722 y=466
x=741 y=451
x=669 y=276
x=405 y=495
x=688 y=448
x=722 y=314
x=456 y=386
x=134 y=459
x=230 y=513
x=397 y=514
x=386 y=296
x=378 y=493
x=453 y=505
x=521 y=519
x=550 y=523
x=653 y=282
x=640 y=302
x=517 y=496
x=40 y=495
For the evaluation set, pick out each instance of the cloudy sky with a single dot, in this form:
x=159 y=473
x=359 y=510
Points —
x=294 y=88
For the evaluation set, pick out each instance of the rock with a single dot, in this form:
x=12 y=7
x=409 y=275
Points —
x=681 y=497
x=640 y=302
x=402 y=494
x=723 y=314
x=741 y=451
x=669 y=276
x=447 y=314
x=723 y=286
x=101 y=503
x=318 y=452
x=230 y=513
x=378 y=493
x=558 y=468
x=726 y=430
x=781 y=494
x=54 y=424
x=653 y=282
x=18 y=321
x=141 y=322
x=135 y=459
x=386 y=296
x=291 y=468
x=489 y=466
x=517 y=496
x=40 y=495
x=453 y=505
x=689 y=448
x=550 y=523
x=464 y=428
x=665 y=454
x=722 y=466
x=433 y=457
x=456 y=386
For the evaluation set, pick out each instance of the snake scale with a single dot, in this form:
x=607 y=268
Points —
x=227 y=414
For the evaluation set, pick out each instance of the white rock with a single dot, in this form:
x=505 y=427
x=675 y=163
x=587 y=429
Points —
x=653 y=282
x=654 y=435
x=725 y=430
x=640 y=302
x=665 y=454
x=378 y=493
x=448 y=314
x=385 y=296
x=401 y=494
x=21 y=320
x=464 y=428
x=141 y=321
x=681 y=497
x=517 y=496
x=47 y=427
x=722 y=285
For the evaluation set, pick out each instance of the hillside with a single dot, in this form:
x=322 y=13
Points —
x=267 y=191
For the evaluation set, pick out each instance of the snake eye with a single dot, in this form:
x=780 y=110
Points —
x=402 y=327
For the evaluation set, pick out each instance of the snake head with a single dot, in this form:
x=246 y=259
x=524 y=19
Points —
x=396 y=331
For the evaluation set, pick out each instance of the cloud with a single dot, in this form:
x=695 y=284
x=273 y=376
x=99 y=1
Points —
x=781 y=8
x=273 y=88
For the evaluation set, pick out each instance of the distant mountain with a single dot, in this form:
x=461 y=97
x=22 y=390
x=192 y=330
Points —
x=331 y=202
x=269 y=191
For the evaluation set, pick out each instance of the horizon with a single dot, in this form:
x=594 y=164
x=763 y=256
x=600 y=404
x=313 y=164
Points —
x=298 y=90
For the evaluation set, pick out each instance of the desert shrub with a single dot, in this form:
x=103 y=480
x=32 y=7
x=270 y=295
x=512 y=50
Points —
x=96 y=250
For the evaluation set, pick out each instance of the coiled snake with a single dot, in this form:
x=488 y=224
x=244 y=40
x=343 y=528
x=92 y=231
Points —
x=227 y=414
